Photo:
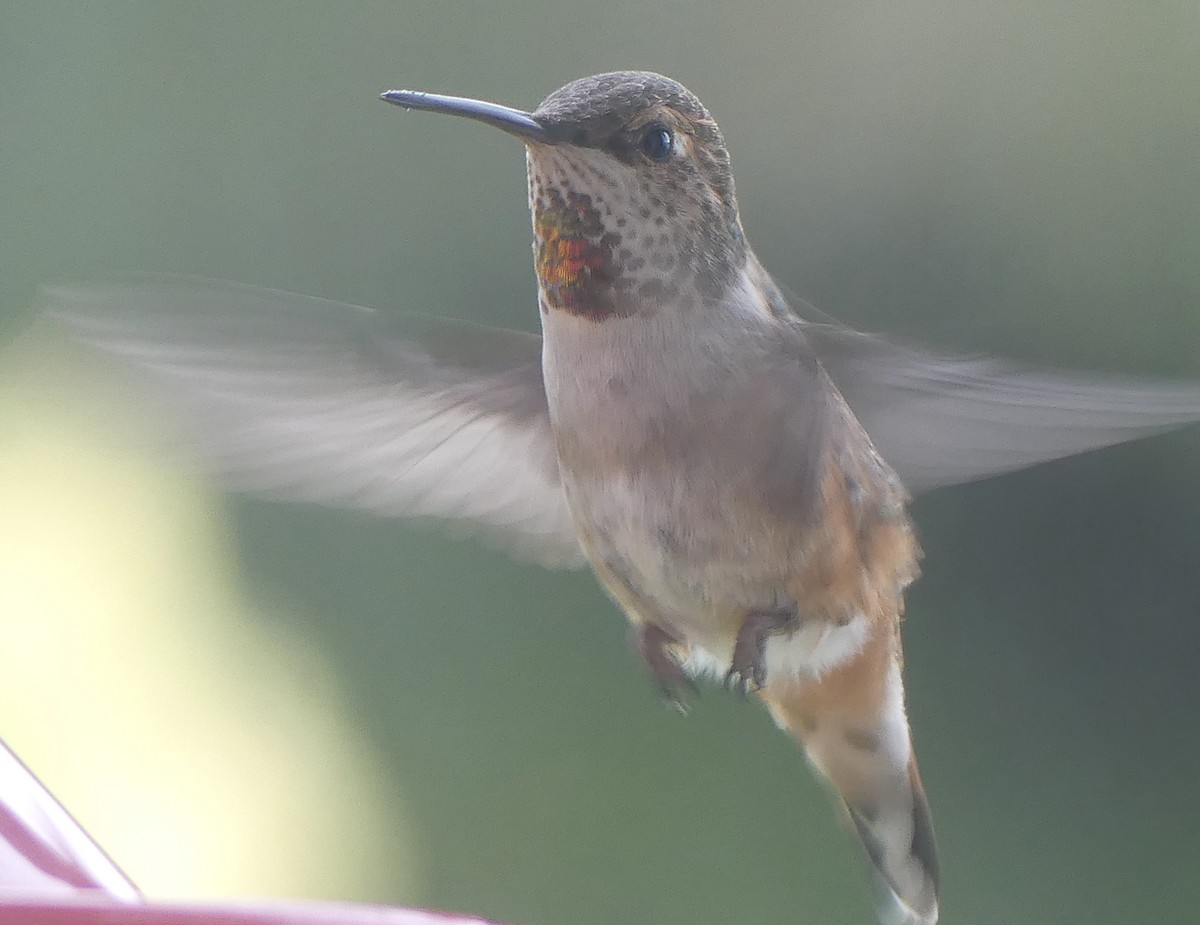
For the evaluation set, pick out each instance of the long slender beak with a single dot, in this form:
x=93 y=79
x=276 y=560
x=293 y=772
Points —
x=513 y=121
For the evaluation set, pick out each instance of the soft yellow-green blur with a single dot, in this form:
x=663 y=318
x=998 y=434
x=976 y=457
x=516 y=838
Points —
x=205 y=745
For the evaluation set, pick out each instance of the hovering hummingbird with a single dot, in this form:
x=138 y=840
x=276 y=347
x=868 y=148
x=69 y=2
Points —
x=736 y=475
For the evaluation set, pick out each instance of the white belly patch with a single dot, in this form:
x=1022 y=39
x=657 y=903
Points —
x=814 y=648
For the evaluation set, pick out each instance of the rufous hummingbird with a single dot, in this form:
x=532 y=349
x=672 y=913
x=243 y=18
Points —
x=736 y=475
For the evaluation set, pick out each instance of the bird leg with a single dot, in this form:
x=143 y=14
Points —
x=748 y=668
x=654 y=644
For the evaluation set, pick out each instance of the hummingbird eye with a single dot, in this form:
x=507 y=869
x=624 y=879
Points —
x=657 y=142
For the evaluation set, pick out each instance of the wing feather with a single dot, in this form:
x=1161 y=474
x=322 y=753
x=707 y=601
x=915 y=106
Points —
x=941 y=420
x=297 y=398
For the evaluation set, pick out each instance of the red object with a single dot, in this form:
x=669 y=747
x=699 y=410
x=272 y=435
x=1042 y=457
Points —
x=53 y=873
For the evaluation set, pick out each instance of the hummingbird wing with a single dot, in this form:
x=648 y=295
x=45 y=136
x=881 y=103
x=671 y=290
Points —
x=941 y=420
x=298 y=398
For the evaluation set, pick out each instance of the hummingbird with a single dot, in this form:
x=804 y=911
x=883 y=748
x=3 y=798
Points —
x=735 y=470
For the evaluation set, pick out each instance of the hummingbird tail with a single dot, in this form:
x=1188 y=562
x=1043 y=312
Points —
x=852 y=725
x=899 y=842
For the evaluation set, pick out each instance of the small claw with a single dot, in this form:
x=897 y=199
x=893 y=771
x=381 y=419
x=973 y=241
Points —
x=748 y=667
x=654 y=644
x=672 y=698
x=743 y=683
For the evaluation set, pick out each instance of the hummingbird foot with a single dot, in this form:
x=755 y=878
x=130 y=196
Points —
x=748 y=668
x=654 y=644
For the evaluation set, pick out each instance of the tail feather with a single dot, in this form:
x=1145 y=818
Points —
x=853 y=728
x=897 y=837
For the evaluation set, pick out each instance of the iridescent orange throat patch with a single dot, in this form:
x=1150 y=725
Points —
x=574 y=255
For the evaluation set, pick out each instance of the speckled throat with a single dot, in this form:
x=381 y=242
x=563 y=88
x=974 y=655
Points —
x=576 y=255
x=607 y=244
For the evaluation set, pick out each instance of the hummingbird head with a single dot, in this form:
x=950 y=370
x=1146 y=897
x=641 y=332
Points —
x=631 y=193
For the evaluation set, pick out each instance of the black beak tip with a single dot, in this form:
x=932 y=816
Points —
x=396 y=97
x=513 y=121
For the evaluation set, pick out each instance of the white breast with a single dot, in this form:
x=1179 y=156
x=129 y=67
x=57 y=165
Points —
x=607 y=382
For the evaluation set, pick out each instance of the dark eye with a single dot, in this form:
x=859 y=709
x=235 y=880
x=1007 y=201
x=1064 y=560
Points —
x=657 y=142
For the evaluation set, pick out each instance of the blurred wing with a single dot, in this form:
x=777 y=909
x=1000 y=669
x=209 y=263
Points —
x=942 y=420
x=297 y=398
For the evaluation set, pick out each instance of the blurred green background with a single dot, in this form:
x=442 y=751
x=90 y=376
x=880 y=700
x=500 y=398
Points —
x=240 y=698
